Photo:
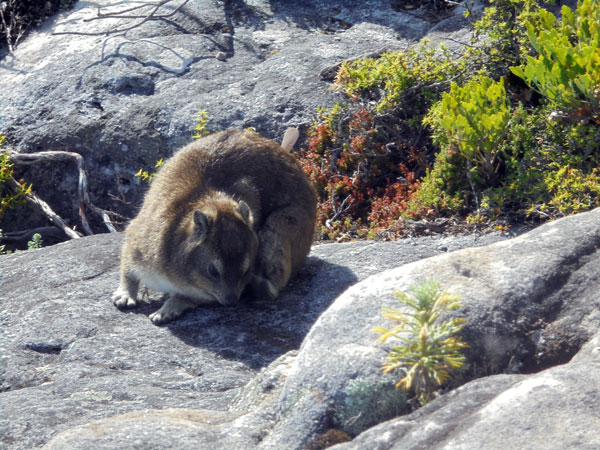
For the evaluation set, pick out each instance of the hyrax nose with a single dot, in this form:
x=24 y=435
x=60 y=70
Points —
x=229 y=299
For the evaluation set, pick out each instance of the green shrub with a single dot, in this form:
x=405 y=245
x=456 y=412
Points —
x=429 y=351
x=501 y=36
x=365 y=156
x=566 y=69
x=387 y=77
x=8 y=197
x=472 y=120
x=551 y=166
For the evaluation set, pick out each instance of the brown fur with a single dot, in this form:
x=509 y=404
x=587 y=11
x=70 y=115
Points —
x=227 y=211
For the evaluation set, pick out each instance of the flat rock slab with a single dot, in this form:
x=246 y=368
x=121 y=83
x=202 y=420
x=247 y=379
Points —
x=70 y=357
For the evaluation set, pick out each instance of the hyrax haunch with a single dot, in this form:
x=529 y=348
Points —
x=229 y=211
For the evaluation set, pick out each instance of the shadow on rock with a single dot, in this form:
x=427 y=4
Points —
x=257 y=332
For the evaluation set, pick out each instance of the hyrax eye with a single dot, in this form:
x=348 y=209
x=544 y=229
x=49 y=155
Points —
x=213 y=272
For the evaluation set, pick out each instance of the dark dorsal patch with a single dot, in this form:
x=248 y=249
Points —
x=231 y=235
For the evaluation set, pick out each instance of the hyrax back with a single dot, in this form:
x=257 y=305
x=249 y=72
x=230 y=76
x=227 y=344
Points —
x=228 y=211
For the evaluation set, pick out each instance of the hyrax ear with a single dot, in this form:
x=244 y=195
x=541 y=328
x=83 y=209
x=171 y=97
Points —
x=245 y=212
x=202 y=222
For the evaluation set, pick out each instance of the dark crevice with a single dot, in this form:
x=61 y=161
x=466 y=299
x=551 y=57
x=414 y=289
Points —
x=45 y=348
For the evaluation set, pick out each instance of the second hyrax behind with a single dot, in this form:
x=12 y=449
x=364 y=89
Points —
x=228 y=211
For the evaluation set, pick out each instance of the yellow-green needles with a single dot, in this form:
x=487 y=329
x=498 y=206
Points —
x=429 y=350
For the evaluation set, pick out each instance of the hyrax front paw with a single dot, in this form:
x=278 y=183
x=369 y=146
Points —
x=263 y=289
x=173 y=308
x=159 y=317
x=122 y=299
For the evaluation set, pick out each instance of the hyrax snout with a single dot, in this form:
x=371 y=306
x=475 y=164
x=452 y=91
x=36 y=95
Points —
x=228 y=212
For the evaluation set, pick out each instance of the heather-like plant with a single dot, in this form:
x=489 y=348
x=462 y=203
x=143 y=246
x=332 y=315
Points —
x=429 y=351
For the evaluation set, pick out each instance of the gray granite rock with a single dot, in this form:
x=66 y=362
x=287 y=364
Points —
x=125 y=100
x=531 y=302
x=69 y=357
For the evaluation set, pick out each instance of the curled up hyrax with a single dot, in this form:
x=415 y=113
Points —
x=229 y=211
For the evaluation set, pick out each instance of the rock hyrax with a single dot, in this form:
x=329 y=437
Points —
x=228 y=211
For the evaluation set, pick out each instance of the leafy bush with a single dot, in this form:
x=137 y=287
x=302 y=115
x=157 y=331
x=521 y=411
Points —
x=472 y=120
x=8 y=197
x=551 y=166
x=500 y=34
x=387 y=77
x=426 y=134
x=543 y=168
x=429 y=351
x=566 y=69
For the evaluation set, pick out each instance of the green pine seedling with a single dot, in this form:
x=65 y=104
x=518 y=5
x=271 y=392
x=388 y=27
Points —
x=429 y=350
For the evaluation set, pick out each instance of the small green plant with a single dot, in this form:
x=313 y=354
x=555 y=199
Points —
x=9 y=198
x=146 y=176
x=566 y=69
x=368 y=403
x=429 y=351
x=35 y=242
x=201 y=125
x=472 y=120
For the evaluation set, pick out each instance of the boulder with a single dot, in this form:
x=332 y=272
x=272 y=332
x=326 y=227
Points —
x=125 y=92
x=531 y=303
x=553 y=409
x=71 y=359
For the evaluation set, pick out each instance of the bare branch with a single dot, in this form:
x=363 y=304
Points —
x=82 y=191
x=40 y=204
x=121 y=15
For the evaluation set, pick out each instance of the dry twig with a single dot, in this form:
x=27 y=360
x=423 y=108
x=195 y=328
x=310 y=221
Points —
x=82 y=190
x=151 y=15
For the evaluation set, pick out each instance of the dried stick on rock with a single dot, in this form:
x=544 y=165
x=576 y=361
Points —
x=143 y=18
x=40 y=204
x=82 y=191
